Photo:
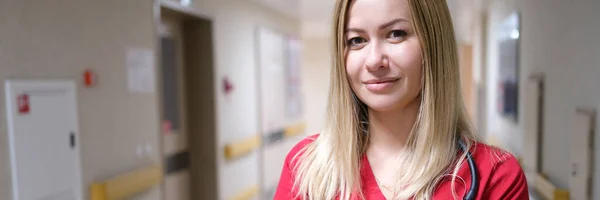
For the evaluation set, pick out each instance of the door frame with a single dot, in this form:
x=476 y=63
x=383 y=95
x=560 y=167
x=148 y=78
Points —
x=590 y=115
x=534 y=123
x=15 y=86
x=187 y=13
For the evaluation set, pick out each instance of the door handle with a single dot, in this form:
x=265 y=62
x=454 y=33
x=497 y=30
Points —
x=574 y=170
x=72 y=140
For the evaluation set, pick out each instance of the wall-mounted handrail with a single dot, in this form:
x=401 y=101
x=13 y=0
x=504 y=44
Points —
x=548 y=190
x=126 y=185
x=294 y=130
x=242 y=147
x=248 y=193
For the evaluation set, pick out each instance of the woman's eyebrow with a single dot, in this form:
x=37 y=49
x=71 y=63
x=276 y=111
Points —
x=383 y=26
x=354 y=30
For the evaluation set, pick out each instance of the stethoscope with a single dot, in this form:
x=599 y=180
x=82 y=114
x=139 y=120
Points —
x=472 y=192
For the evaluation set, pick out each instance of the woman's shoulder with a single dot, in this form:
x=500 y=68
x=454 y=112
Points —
x=285 y=188
x=304 y=142
x=501 y=173
x=492 y=155
x=295 y=152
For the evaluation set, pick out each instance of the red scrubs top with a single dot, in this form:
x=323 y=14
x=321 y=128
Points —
x=500 y=177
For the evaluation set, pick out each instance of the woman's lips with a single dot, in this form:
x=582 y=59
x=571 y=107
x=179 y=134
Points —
x=378 y=85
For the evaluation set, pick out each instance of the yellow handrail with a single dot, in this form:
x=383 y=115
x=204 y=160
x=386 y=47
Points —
x=242 y=147
x=126 y=185
x=237 y=149
x=549 y=190
x=294 y=130
x=248 y=193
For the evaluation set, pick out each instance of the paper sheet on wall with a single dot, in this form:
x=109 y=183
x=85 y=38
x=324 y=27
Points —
x=140 y=70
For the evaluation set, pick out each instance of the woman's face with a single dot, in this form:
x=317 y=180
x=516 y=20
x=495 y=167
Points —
x=383 y=54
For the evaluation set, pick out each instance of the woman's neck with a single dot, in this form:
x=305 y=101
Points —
x=388 y=131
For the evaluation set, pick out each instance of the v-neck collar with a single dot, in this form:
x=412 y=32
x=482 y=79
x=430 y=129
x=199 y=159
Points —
x=370 y=187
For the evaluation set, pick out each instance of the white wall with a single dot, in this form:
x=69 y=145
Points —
x=58 y=40
x=558 y=38
x=316 y=66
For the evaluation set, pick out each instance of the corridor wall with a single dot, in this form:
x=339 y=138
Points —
x=59 y=40
x=559 y=40
x=62 y=38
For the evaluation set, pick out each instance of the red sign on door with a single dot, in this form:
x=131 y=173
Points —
x=166 y=127
x=23 y=104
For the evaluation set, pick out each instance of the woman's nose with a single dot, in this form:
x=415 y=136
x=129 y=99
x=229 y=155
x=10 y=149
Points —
x=377 y=57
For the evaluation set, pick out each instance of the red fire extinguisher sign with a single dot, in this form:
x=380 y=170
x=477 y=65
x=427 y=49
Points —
x=23 y=104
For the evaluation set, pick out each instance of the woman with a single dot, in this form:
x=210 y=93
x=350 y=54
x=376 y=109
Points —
x=396 y=119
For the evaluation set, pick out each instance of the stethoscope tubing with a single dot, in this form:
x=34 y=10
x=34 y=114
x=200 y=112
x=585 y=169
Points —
x=472 y=192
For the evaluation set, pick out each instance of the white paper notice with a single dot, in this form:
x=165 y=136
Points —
x=140 y=70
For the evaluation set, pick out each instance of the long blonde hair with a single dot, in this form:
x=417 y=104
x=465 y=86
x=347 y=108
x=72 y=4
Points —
x=329 y=167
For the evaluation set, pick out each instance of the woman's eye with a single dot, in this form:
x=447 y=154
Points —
x=397 y=34
x=356 y=41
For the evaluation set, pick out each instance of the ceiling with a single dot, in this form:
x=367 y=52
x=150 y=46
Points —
x=306 y=10
x=316 y=14
x=287 y=7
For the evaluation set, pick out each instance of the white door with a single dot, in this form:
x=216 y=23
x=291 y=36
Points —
x=43 y=140
x=272 y=69
x=581 y=156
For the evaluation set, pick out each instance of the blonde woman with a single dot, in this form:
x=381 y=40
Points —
x=396 y=126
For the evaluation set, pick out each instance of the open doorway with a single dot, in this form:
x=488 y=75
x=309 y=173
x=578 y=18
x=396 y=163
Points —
x=188 y=139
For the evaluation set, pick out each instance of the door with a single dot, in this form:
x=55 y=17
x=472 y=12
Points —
x=175 y=134
x=272 y=82
x=580 y=182
x=43 y=140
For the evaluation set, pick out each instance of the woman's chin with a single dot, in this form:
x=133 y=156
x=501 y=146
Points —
x=386 y=103
x=382 y=105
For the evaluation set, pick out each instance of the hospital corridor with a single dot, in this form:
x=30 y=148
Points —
x=203 y=99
